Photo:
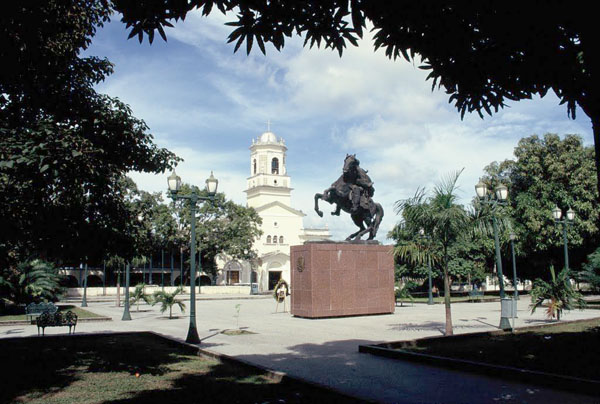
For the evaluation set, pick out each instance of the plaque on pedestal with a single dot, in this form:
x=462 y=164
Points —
x=342 y=279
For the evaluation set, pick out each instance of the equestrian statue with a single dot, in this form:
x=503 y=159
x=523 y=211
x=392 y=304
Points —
x=353 y=193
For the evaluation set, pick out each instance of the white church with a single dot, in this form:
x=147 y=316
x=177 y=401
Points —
x=269 y=192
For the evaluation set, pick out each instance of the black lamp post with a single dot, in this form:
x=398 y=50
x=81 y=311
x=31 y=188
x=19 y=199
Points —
x=174 y=182
x=126 y=314
x=84 y=300
x=514 y=263
x=570 y=217
x=497 y=198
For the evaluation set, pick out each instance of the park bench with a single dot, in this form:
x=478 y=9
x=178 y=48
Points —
x=56 y=320
x=475 y=295
x=34 y=310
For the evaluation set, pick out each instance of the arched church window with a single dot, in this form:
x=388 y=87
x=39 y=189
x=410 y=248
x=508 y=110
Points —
x=254 y=165
x=280 y=239
x=275 y=166
x=268 y=239
x=275 y=239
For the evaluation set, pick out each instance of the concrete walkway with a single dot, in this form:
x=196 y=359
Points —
x=325 y=351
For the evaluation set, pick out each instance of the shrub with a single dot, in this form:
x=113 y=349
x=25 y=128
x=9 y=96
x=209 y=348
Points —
x=31 y=281
x=558 y=291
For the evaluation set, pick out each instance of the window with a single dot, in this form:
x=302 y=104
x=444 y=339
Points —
x=275 y=239
x=254 y=164
x=268 y=239
x=275 y=182
x=275 y=166
x=280 y=239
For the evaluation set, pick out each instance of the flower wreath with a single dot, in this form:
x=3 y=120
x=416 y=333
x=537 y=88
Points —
x=281 y=284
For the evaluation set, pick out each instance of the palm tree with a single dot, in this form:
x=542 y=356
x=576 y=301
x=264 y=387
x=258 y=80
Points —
x=559 y=291
x=441 y=219
x=167 y=300
x=139 y=294
x=31 y=281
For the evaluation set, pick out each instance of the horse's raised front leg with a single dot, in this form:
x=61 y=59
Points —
x=337 y=211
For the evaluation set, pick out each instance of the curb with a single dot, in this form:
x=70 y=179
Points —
x=561 y=382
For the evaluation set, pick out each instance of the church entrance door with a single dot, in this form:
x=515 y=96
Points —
x=233 y=277
x=274 y=277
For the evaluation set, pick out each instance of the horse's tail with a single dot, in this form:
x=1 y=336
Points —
x=378 y=217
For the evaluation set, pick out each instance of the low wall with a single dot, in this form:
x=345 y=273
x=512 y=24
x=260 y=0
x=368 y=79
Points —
x=204 y=290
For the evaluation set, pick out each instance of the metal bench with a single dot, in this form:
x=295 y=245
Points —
x=56 y=320
x=475 y=295
x=34 y=310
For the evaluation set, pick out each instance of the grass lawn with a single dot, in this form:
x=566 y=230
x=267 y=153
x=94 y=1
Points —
x=81 y=313
x=562 y=348
x=135 y=368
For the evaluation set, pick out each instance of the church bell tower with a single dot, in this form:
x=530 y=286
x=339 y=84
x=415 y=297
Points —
x=268 y=181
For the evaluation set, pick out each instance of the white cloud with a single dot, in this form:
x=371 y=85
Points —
x=206 y=103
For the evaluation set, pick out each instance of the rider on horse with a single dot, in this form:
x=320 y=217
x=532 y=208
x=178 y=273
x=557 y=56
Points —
x=360 y=184
x=352 y=193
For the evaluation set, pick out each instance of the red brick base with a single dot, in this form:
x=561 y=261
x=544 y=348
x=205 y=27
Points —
x=341 y=279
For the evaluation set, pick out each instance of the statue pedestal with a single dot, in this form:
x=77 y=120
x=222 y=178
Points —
x=341 y=279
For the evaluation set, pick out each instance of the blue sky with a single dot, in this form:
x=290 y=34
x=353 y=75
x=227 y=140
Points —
x=206 y=103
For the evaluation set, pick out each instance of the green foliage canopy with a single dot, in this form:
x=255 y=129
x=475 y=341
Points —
x=64 y=148
x=222 y=227
x=549 y=171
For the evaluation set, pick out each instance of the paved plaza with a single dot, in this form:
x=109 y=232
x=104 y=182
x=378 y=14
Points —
x=325 y=351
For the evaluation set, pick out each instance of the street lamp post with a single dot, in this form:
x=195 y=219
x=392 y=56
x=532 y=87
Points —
x=514 y=263
x=429 y=292
x=174 y=182
x=498 y=198
x=126 y=314
x=84 y=300
x=570 y=217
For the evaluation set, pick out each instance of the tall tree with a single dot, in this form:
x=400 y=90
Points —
x=443 y=220
x=221 y=227
x=550 y=171
x=64 y=148
x=481 y=53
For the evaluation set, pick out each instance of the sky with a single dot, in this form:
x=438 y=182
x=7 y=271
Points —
x=206 y=103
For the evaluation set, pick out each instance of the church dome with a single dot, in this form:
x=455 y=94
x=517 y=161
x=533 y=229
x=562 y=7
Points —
x=268 y=137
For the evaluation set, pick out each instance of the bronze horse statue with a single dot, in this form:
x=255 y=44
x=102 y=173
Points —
x=367 y=214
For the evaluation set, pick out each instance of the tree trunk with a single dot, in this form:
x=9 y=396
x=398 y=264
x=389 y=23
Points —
x=596 y=129
x=170 y=312
x=449 y=330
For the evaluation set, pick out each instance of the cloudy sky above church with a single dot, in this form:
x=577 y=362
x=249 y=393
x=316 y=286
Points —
x=206 y=103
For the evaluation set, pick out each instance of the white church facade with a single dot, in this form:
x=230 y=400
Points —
x=268 y=191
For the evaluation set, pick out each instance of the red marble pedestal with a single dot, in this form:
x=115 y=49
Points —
x=341 y=279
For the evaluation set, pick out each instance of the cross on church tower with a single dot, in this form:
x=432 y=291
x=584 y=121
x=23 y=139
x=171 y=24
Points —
x=268 y=125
